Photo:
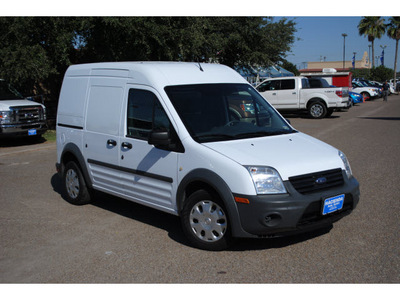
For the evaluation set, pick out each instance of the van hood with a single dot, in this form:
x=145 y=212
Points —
x=290 y=154
x=5 y=104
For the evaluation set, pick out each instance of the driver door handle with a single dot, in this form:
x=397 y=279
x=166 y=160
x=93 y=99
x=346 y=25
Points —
x=126 y=145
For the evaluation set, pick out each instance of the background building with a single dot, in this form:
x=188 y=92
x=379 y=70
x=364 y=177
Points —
x=364 y=63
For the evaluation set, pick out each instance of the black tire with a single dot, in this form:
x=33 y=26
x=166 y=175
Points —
x=329 y=112
x=205 y=221
x=317 y=110
x=76 y=190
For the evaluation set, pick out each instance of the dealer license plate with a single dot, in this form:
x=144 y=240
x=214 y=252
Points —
x=32 y=132
x=333 y=204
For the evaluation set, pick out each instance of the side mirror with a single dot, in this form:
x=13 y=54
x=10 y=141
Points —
x=160 y=138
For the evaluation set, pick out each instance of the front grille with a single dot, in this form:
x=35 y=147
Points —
x=27 y=114
x=319 y=181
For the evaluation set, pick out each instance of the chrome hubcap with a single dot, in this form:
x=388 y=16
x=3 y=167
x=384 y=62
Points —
x=316 y=110
x=208 y=221
x=72 y=183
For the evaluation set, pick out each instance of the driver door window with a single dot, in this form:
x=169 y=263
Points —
x=145 y=114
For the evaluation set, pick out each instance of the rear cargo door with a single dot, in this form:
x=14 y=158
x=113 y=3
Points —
x=101 y=138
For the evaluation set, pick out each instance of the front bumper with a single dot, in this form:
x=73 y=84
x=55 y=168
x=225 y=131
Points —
x=22 y=129
x=279 y=215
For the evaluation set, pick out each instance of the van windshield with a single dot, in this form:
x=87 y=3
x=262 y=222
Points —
x=7 y=92
x=218 y=112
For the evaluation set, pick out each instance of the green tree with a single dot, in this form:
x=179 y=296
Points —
x=373 y=27
x=35 y=51
x=233 y=41
x=290 y=67
x=393 y=31
x=250 y=41
x=381 y=73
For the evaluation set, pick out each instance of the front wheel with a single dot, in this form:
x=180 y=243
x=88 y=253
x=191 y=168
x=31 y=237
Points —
x=75 y=186
x=317 y=110
x=205 y=221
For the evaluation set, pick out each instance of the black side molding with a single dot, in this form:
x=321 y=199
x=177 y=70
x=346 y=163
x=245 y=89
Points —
x=70 y=126
x=132 y=171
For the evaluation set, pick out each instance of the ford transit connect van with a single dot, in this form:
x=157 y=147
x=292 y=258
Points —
x=197 y=141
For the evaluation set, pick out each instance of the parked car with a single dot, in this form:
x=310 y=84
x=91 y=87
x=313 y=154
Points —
x=19 y=116
x=294 y=94
x=368 y=93
x=163 y=135
x=355 y=98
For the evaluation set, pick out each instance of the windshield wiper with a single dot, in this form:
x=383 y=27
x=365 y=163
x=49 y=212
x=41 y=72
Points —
x=262 y=133
x=213 y=137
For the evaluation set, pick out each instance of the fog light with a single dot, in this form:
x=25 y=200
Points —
x=272 y=220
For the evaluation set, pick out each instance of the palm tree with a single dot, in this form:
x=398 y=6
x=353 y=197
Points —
x=393 y=31
x=373 y=27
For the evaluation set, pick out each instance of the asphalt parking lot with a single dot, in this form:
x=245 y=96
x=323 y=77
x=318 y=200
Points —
x=44 y=239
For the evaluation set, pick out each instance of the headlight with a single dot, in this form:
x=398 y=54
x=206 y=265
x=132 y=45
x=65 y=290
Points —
x=346 y=164
x=5 y=117
x=266 y=180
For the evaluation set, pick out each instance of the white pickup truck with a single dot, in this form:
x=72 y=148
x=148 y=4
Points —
x=19 y=116
x=294 y=94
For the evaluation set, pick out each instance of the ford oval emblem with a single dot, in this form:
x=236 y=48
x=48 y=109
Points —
x=321 y=180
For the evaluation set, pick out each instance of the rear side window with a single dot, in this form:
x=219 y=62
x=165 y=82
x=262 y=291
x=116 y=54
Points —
x=104 y=109
x=305 y=83
x=318 y=83
x=287 y=84
x=145 y=114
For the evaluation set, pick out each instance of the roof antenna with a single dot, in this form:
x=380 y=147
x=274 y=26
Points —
x=201 y=69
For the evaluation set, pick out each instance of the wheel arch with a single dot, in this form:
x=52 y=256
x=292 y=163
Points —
x=316 y=99
x=212 y=182
x=71 y=152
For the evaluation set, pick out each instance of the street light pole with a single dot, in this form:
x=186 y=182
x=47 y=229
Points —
x=344 y=46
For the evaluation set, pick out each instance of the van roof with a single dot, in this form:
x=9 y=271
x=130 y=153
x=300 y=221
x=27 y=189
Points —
x=159 y=73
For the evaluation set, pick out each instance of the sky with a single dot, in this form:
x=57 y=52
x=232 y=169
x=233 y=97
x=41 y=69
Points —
x=318 y=37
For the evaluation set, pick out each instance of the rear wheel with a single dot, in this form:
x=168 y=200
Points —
x=75 y=186
x=317 y=110
x=205 y=221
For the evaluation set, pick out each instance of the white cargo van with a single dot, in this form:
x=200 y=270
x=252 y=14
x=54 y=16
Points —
x=197 y=141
